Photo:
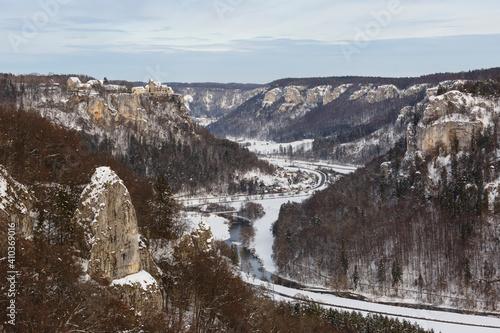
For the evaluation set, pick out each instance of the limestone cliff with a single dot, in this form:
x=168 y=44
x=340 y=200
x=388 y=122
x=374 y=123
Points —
x=113 y=116
x=331 y=95
x=16 y=204
x=109 y=222
x=275 y=107
x=272 y=96
x=372 y=94
x=111 y=243
x=292 y=111
x=452 y=117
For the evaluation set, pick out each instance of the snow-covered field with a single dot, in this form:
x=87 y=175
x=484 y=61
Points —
x=439 y=321
x=218 y=225
x=273 y=148
x=262 y=247
x=343 y=169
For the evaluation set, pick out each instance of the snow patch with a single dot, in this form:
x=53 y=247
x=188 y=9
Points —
x=143 y=278
x=219 y=226
x=102 y=178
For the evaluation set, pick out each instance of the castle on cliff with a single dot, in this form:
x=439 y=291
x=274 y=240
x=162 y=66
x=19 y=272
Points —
x=153 y=88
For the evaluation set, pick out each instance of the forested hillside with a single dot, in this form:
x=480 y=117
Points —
x=50 y=166
x=351 y=119
x=214 y=100
x=420 y=222
x=153 y=134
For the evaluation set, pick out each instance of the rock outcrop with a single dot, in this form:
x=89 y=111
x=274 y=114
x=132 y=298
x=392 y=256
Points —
x=290 y=111
x=439 y=138
x=293 y=94
x=272 y=96
x=114 y=117
x=448 y=118
x=330 y=96
x=111 y=242
x=110 y=227
x=381 y=93
x=16 y=204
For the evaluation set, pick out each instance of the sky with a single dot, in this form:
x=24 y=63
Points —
x=247 y=41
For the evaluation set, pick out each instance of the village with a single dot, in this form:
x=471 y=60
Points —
x=284 y=180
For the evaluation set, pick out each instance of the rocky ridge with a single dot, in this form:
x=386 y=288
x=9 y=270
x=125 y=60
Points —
x=115 y=116
x=452 y=116
x=293 y=112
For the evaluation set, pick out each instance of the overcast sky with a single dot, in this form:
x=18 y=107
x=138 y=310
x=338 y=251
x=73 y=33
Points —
x=247 y=40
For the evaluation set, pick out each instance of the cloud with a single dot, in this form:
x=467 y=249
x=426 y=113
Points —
x=81 y=29
x=252 y=40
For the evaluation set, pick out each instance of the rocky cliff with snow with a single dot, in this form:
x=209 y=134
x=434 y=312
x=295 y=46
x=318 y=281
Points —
x=111 y=244
x=351 y=119
x=214 y=100
x=280 y=107
x=153 y=132
x=419 y=223
x=112 y=116
x=453 y=116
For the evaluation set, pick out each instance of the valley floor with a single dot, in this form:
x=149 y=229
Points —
x=262 y=247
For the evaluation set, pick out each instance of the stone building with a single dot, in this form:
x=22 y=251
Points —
x=153 y=87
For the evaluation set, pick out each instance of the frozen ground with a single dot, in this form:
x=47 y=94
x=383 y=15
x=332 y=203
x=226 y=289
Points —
x=439 y=321
x=218 y=225
x=273 y=148
x=263 y=243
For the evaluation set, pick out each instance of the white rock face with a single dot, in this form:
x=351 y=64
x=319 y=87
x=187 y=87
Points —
x=293 y=95
x=214 y=101
x=316 y=94
x=15 y=205
x=453 y=115
x=115 y=116
x=371 y=94
x=110 y=227
x=272 y=96
x=111 y=242
x=330 y=96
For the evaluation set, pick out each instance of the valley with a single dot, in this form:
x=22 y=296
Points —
x=384 y=193
x=234 y=166
x=258 y=267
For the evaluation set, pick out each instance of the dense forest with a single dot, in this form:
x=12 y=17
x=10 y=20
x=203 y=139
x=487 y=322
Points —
x=407 y=225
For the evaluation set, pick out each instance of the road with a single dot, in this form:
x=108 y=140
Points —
x=321 y=184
